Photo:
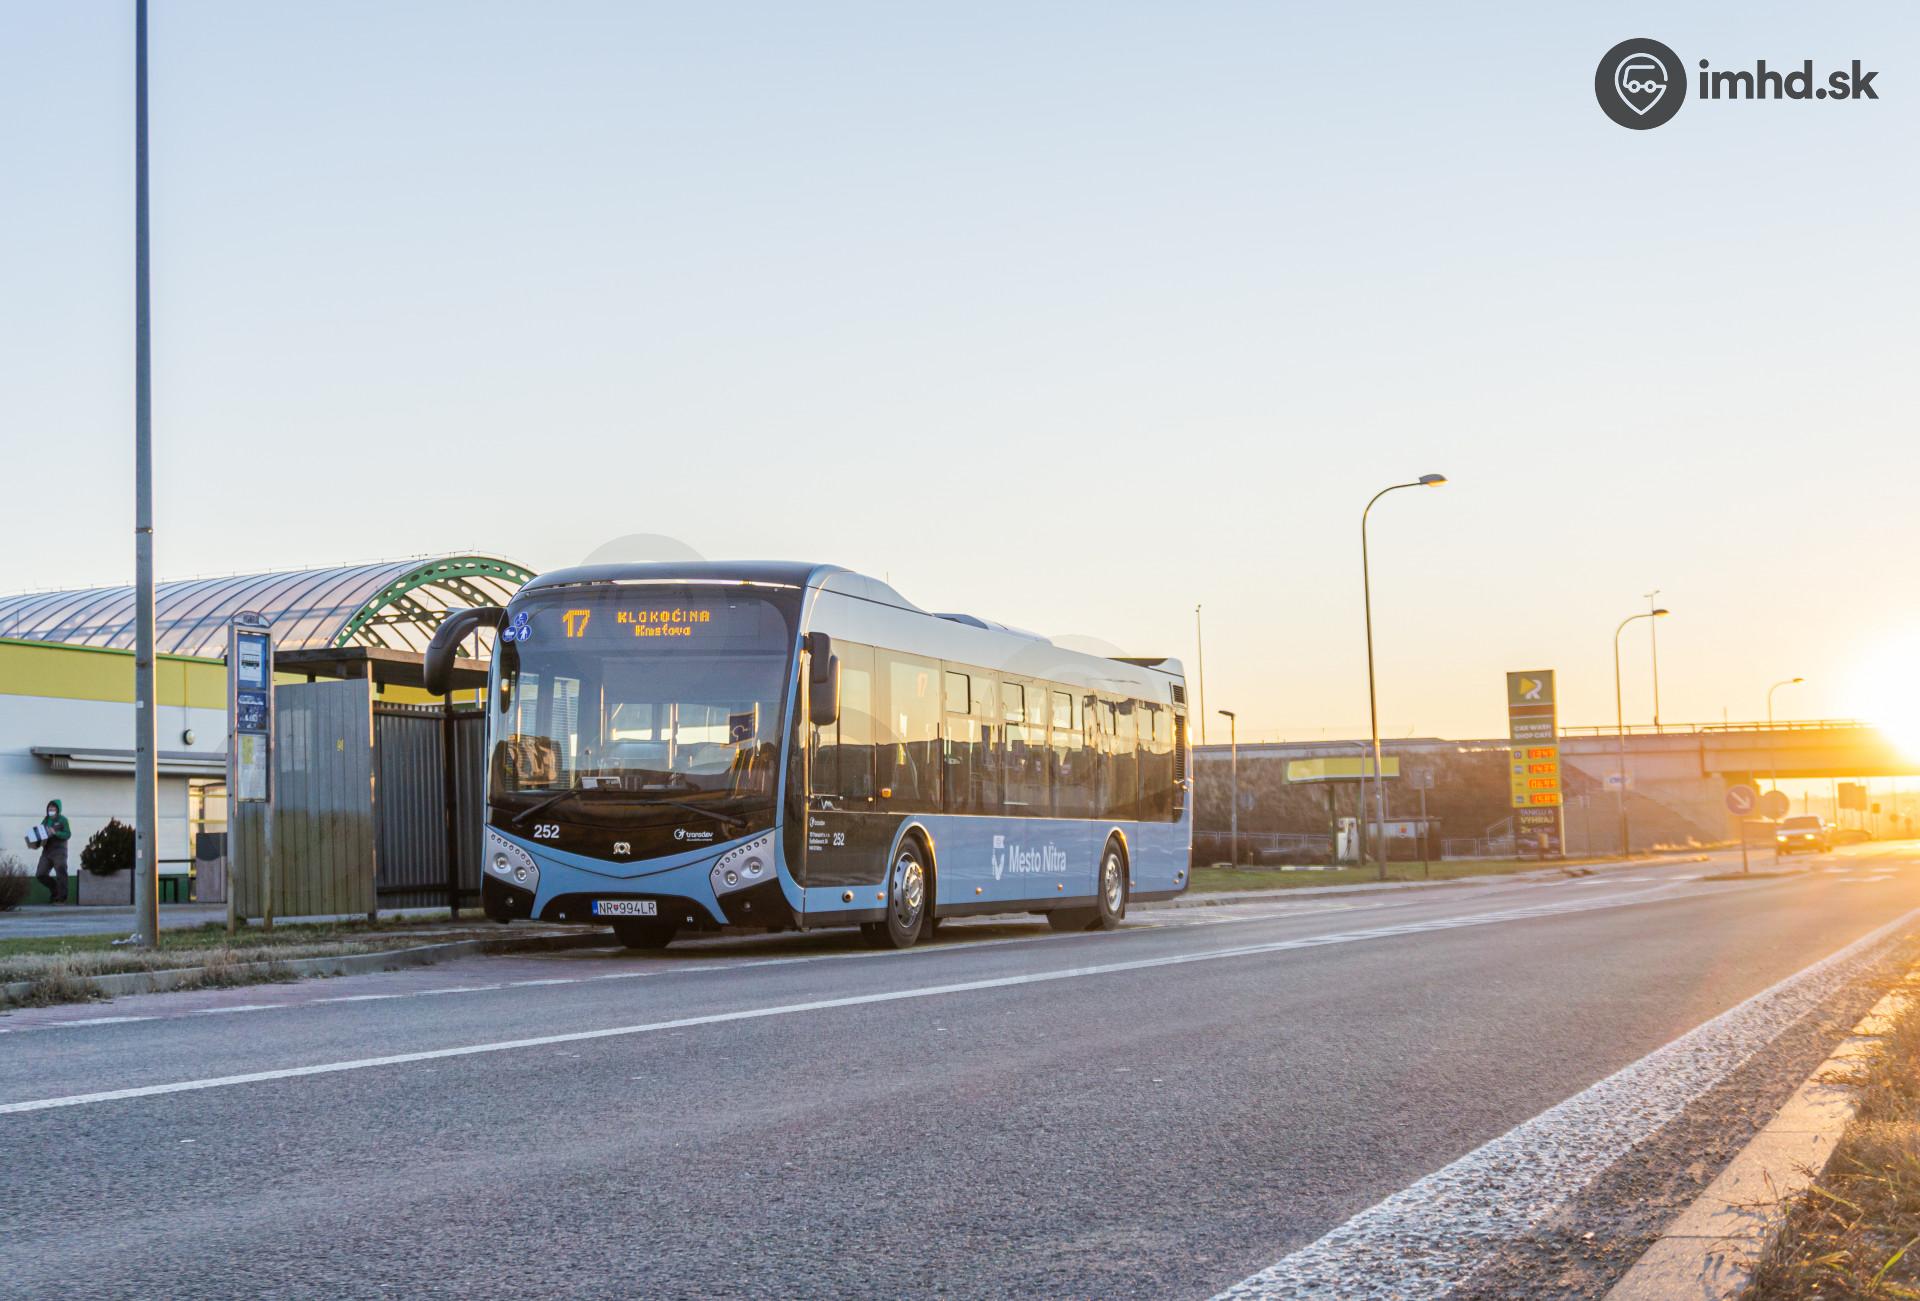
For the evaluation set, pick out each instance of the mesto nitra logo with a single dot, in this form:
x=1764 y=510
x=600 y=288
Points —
x=1640 y=84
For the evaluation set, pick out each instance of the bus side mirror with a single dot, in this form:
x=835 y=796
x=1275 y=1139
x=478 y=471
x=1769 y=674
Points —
x=823 y=681
x=436 y=674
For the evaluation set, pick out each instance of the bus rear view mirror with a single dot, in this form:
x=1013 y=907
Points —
x=437 y=673
x=823 y=681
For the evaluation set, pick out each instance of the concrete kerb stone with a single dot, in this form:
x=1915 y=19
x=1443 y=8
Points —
x=1221 y=898
x=121 y=984
x=1710 y=1252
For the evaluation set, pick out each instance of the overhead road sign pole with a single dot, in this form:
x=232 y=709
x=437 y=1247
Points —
x=146 y=802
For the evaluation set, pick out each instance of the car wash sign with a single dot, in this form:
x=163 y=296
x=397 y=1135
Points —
x=250 y=708
x=1533 y=732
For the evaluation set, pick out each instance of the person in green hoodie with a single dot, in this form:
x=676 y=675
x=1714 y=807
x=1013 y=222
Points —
x=53 y=854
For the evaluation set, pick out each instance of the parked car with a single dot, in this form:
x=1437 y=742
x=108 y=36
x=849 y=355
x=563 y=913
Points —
x=1807 y=832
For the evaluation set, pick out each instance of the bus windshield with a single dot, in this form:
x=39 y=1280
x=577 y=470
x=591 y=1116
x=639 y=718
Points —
x=649 y=704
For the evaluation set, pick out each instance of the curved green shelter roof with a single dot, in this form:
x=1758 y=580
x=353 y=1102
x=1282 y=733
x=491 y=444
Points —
x=394 y=605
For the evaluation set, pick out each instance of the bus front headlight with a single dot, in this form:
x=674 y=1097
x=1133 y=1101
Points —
x=744 y=865
x=508 y=862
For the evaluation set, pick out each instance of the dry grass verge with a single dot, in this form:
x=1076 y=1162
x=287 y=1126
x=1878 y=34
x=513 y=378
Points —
x=58 y=967
x=1856 y=1232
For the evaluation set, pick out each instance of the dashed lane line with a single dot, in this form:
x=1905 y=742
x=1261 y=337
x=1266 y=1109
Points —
x=1455 y=922
x=1425 y=1240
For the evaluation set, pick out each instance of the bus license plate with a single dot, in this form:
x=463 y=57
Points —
x=625 y=908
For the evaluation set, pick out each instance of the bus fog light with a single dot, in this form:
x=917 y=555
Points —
x=510 y=862
x=751 y=861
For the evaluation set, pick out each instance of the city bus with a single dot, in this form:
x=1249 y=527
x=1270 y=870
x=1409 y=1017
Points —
x=682 y=748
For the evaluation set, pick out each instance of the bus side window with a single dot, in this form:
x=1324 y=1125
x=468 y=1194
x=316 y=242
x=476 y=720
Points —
x=1123 y=763
x=1072 y=766
x=1026 y=789
x=960 y=745
x=909 y=735
x=843 y=753
x=1156 y=762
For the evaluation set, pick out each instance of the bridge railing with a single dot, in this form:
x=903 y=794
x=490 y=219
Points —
x=1696 y=729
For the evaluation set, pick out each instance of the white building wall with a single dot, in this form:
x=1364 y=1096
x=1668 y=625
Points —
x=91 y=799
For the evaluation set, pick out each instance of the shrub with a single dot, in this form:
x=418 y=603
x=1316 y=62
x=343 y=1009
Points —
x=14 y=883
x=109 y=849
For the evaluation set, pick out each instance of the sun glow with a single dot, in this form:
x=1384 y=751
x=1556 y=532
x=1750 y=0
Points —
x=1885 y=690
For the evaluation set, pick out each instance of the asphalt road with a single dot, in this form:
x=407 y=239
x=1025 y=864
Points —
x=1162 y=1111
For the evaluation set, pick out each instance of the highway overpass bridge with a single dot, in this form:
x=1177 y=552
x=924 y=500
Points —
x=1676 y=776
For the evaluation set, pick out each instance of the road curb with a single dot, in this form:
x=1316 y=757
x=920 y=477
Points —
x=121 y=984
x=1221 y=898
x=1710 y=1252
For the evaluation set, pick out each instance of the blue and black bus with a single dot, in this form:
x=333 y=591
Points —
x=684 y=747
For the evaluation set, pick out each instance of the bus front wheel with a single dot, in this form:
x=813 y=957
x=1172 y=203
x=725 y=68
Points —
x=909 y=901
x=643 y=932
x=1112 y=905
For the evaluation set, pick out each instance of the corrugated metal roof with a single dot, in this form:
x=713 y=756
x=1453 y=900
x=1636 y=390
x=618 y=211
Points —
x=394 y=604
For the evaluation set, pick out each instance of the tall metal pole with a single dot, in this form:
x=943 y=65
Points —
x=1233 y=736
x=1620 y=724
x=146 y=862
x=1373 y=705
x=1200 y=655
x=1773 y=758
x=1653 y=641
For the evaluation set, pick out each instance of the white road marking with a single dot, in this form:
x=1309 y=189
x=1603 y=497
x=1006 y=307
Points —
x=243 y=1007
x=1575 y=905
x=98 y=1020
x=1428 y=1238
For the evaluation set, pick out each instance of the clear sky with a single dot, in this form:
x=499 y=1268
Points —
x=1069 y=315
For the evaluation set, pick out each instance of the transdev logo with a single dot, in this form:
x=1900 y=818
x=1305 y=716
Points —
x=1640 y=84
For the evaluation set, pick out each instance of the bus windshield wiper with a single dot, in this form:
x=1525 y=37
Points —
x=540 y=806
x=724 y=819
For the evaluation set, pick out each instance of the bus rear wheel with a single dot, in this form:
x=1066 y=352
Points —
x=643 y=932
x=1111 y=906
x=909 y=901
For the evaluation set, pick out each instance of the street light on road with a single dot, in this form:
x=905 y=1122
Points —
x=1620 y=723
x=1773 y=763
x=1373 y=706
x=1233 y=738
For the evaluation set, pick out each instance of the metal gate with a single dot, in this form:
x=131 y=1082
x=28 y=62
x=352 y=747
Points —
x=413 y=790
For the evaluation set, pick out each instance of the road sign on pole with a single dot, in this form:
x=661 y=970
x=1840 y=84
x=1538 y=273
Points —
x=1775 y=804
x=1742 y=800
x=250 y=750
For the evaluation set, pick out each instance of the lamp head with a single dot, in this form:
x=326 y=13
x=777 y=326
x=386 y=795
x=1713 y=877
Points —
x=1661 y=613
x=1433 y=480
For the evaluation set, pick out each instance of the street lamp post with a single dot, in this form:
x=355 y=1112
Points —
x=146 y=814
x=1373 y=706
x=1773 y=757
x=1233 y=737
x=1620 y=724
x=1653 y=646
x=1773 y=760
x=1200 y=657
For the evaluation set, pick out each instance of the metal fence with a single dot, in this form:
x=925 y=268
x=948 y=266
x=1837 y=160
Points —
x=1263 y=847
x=413 y=789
